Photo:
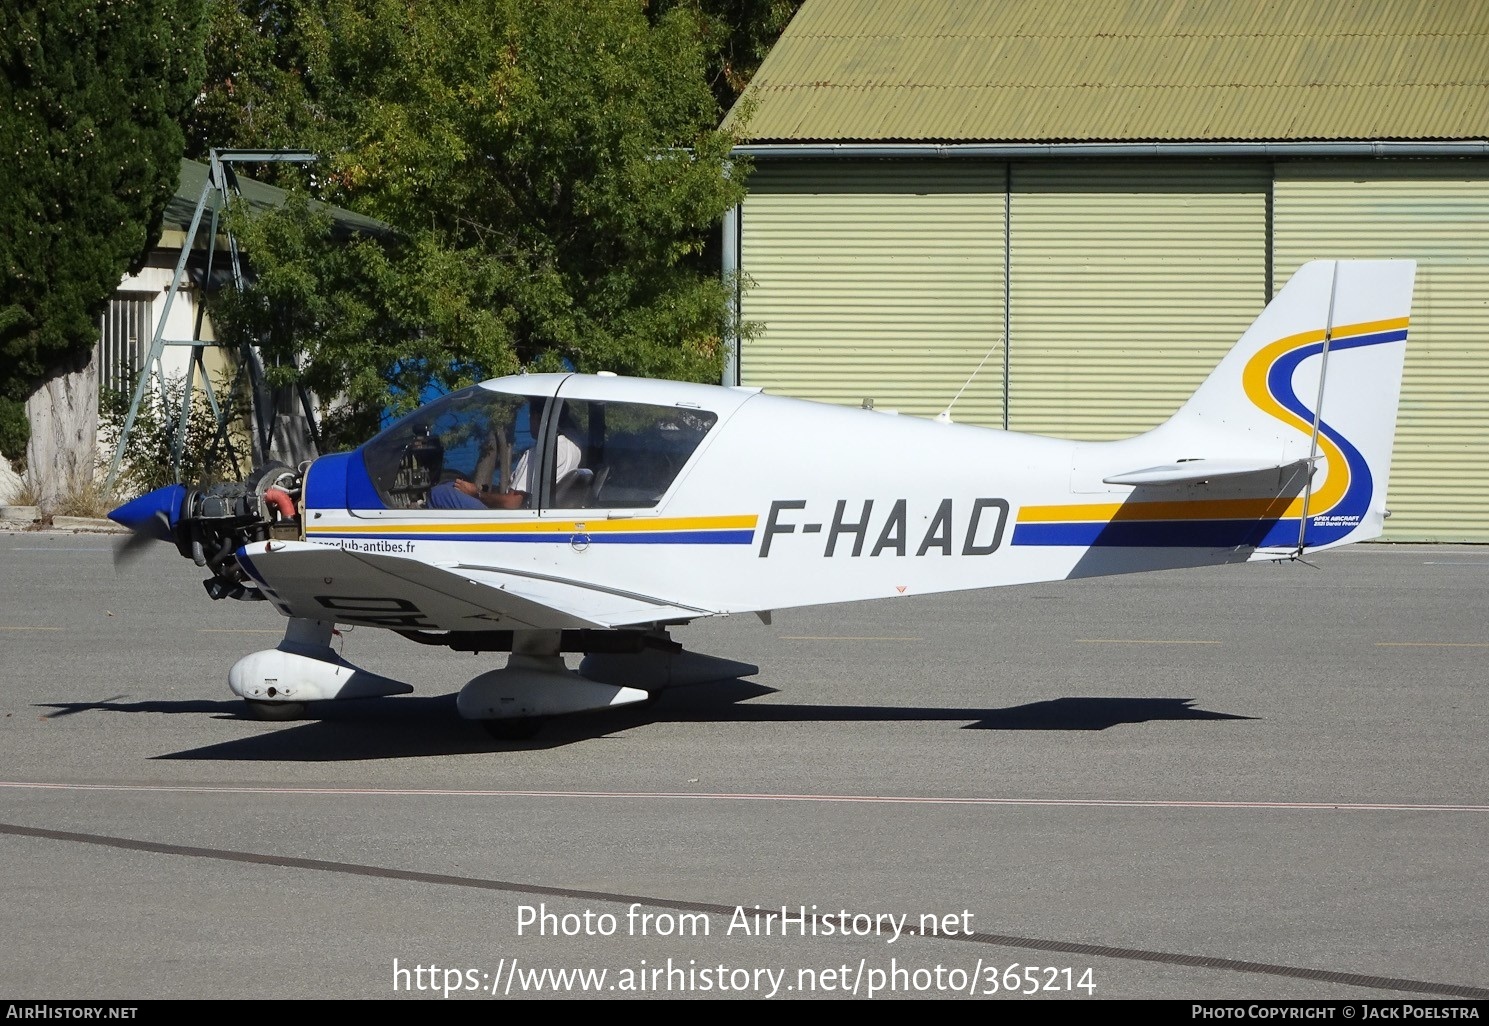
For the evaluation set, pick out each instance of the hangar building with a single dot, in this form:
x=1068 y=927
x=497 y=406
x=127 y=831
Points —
x=1093 y=200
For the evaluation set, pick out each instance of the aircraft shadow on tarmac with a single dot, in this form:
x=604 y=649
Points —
x=406 y=727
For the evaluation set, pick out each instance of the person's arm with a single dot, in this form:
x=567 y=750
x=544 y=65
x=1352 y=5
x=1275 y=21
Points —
x=491 y=499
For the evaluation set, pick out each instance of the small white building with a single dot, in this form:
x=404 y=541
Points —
x=142 y=307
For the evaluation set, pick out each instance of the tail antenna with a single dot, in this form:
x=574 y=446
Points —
x=944 y=417
x=1318 y=412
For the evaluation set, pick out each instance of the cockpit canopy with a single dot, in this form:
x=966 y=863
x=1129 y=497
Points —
x=483 y=449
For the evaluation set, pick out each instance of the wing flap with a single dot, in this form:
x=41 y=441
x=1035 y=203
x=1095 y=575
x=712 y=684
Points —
x=610 y=607
x=381 y=590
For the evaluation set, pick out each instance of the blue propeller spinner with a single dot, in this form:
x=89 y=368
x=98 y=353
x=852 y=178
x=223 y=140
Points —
x=153 y=515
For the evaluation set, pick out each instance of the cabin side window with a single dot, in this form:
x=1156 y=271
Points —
x=632 y=452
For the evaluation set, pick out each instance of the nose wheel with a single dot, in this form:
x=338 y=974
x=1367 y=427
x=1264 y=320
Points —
x=522 y=729
x=279 y=682
x=276 y=712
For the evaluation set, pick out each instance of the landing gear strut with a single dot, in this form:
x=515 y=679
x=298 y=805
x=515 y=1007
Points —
x=511 y=702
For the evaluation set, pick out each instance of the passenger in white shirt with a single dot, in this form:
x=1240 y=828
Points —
x=519 y=496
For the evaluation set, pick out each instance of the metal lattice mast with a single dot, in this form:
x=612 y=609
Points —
x=221 y=185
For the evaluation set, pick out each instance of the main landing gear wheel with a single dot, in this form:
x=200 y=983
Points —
x=277 y=712
x=522 y=729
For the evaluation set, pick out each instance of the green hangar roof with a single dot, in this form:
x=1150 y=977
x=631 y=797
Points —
x=260 y=197
x=1123 y=71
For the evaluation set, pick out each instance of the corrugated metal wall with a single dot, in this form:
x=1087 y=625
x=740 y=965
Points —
x=879 y=281
x=1130 y=280
x=1436 y=212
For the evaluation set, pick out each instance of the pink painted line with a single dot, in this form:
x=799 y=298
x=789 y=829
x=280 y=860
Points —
x=1117 y=803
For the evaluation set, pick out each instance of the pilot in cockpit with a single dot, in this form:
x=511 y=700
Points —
x=482 y=493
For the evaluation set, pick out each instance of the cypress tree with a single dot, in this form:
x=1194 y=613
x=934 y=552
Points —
x=90 y=149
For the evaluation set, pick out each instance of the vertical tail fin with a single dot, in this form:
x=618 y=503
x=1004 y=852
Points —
x=1316 y=377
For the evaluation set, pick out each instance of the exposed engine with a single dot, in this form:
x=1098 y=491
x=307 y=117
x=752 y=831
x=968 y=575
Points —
x=217 y=520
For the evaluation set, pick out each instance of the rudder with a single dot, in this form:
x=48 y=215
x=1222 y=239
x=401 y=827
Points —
x=1342 y=324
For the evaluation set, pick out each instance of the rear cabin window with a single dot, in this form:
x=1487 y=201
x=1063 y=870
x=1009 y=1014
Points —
x=632 y=452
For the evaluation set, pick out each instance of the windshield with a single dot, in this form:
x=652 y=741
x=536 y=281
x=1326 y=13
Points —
x=471 y=441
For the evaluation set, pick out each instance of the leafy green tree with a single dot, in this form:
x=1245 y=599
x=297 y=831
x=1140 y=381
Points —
x=256 y=93
x=552 y=174
x=90 y=150
x=736 y=35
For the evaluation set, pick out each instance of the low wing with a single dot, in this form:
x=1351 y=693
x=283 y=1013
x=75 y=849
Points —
x=319 y=582
x=1195 y=471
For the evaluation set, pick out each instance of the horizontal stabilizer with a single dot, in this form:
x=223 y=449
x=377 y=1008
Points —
x=1196 y=471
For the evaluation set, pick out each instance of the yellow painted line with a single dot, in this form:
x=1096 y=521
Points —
x=235 y=630
x=1197 y=509
x=596 y=526
x=1432 y=644
x=1141 y=641
x=1087 y=511
x=673 y=524
x=1335 y=805
x=30 y=628
x=846 y=637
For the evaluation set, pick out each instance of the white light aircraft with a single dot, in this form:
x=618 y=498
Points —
x=552 y=513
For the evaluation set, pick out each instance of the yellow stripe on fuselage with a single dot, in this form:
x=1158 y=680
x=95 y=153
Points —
x=1198 y=509
x=596 y=526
